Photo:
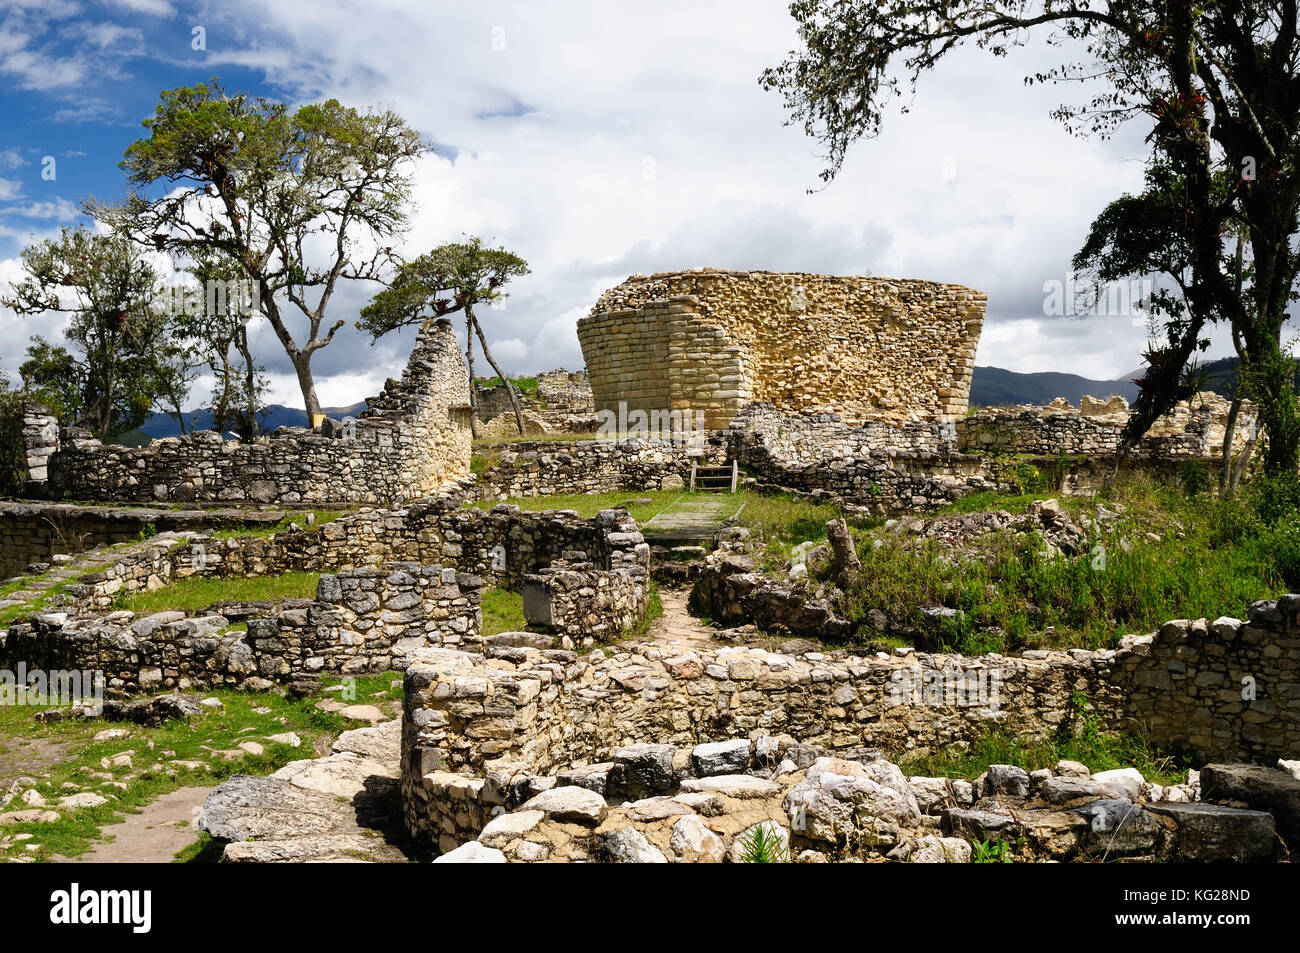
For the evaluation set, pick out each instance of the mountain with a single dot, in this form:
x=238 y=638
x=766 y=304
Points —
x=993 y=386
x=276 y=415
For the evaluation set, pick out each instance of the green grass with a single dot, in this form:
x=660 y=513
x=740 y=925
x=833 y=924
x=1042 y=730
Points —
x=1210 y=558
x=199 y=592
x=297 y=518
x=503 y=611
x=1079 y=741
x=151 y=773
x=565 y=437
x=527 y=386
x=588 y=505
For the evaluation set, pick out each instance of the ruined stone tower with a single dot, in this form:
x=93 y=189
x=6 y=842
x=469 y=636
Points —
x=715 y=340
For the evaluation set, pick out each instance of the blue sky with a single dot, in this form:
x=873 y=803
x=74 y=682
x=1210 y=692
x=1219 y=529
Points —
x=596 y=139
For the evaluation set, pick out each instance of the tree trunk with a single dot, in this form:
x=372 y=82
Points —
x=1229 y=431
x=510 y=388
x=1243 y=461
x=249 y=427
x=302 y=365
x=844 y=555
x=473 y=385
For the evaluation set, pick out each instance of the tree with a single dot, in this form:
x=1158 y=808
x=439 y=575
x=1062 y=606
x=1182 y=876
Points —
x=216 y=327
x=451 y=278
x=122 y=358
x=1220 y=86
x=298 y=201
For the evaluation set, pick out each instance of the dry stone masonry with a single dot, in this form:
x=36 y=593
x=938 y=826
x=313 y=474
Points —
x=715 y=340
x=524 y=728
x=361 y=620
x=409 y=441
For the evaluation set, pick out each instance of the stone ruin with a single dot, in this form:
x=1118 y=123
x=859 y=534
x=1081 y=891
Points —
x=522 y=747
x=713 y=341
x=411 y=440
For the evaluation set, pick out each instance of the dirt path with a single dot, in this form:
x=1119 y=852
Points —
x=677 y=627
x=154 y=835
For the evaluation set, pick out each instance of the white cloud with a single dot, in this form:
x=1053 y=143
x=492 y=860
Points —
x=58 y=208
x=600 y=140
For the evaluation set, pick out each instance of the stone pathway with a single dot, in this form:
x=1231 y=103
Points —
x=690 y=519
x=163 y=827
x=344 y=807
x=677 y=627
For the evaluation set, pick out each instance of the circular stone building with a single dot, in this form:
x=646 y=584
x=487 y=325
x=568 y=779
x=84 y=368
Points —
x=712 y=341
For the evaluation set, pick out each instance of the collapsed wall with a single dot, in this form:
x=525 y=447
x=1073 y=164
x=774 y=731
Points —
x=483 y=735
x=392 y=580
x=713 y=340
x=410 y=440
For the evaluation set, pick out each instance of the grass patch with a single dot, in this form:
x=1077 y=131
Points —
x=297 y=519
x=527 y=386
x=199 y=592
x=503 y=611
x=1169 y=555
x=88 y=764
x=1080 y=741
x=588 y=505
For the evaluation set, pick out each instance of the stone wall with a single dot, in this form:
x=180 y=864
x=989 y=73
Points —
x=410 y=440
x=1194 y=428
x=35 y=532
x=578 y=600
x=592 y=466
x=714 y=340
x=503 y=545
x=483 y=735
x=41 y=439
x=362 y=620
x=879 y=468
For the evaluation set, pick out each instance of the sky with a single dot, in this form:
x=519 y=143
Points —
x=596 y=140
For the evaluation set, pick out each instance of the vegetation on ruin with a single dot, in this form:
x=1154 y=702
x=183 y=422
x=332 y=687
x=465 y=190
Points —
x=1100 y=751
x=455 y=277
x=503 y=611
x=296 y=519
x=198 y=592
x=1167 y=554
x=176 y=754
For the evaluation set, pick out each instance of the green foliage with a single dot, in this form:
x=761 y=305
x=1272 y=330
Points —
x=450 y=278
x=122 y=357
x=1209 y=557
x=527 y=386
x=763 y=845
x=1079 y=740
x=250 y=183
x=991 y=852
x=13 y=452
x=199 y=592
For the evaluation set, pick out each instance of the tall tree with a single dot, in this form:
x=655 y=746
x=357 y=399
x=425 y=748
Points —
x=122 y=358
x=1219 y=85
x=298 y=200
x=450 y=278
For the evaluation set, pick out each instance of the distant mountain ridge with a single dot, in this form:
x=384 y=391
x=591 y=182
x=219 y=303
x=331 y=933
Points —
x=994 y=386
x=276 y=415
